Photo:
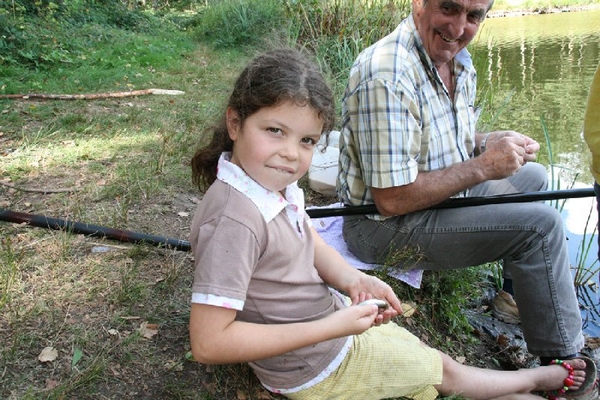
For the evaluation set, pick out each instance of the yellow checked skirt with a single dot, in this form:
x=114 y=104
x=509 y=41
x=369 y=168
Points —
x=384 y=362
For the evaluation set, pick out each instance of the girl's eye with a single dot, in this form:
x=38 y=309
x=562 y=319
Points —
x=308 y=140
x=274 y=130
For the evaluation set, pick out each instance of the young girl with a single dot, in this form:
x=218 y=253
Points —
x=263 y=281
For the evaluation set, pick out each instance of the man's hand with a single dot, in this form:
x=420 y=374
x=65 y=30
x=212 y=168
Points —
x=506 y=152
x=530 y=146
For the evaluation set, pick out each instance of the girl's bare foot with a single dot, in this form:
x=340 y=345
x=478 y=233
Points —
x=554 y=376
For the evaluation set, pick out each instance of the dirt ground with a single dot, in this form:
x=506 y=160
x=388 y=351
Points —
x=159 y=367
x=116 y=313
x=117 y=363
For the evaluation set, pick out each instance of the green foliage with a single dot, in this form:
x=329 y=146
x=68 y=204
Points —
x=34 y=45
x=336 y=31
x=443 y=296
x=339 y=30
x=448 y=294
x=88 y=57
x=232 y=23
x=108 y=12
x=40 y=34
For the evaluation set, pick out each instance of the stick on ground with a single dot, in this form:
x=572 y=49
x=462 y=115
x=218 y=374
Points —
x=91 y=96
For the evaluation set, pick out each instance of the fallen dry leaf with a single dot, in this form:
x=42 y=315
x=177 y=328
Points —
x=51 y=384
x=461 y=359
x=115 y=370
x=502 y=340
x=211 y=387
x=263 y=395
x=593 y=342
x=408 y=309
x=147 y=330
x=174 y=365
x=48 y=354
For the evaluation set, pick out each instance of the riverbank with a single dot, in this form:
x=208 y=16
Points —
x=85 y=317
x=507 y=10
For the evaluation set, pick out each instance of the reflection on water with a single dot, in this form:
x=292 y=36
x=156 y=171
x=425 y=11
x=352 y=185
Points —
x=588 y=301
x=546 y=62
x=580 y=218
x=543 y=65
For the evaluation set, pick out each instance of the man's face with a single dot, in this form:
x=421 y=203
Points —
x=448 y=26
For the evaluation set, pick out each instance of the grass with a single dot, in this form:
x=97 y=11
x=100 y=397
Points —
x=127 y=161
x=124 y=164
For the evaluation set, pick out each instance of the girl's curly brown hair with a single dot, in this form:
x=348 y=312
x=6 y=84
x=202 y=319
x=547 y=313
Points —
x=268 y=80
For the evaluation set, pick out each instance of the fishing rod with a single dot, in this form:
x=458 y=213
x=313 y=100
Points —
x=456 y=202
x=42 y=221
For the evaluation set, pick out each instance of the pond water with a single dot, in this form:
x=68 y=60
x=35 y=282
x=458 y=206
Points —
x=539 y=69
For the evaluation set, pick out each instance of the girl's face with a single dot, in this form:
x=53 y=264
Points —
x=275 y=145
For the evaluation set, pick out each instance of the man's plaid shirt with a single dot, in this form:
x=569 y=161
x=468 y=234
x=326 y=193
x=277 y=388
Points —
x=398 y=118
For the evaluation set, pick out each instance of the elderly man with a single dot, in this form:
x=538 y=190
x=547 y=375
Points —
x=409 y=142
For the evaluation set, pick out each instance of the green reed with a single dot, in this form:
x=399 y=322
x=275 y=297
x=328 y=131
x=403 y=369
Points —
x=583 y=272
x=338 y=30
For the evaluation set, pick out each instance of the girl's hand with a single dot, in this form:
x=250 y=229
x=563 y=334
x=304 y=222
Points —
x=368 y=287
x=383 y=315
x=353 y=320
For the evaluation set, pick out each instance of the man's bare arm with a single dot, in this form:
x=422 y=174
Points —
x=503 y=157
